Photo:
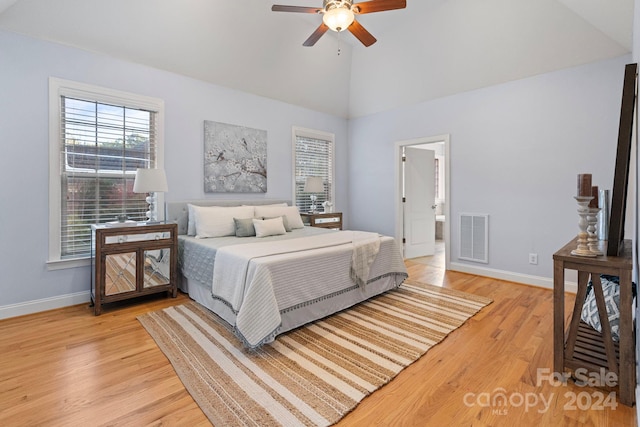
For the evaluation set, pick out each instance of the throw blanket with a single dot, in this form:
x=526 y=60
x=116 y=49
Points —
x=365 y=250
x=247 y=287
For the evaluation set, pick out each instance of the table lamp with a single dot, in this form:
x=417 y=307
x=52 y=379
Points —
x=150 y=181
x=314 y=184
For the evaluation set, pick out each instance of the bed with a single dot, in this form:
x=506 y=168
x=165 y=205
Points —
x=265 y=286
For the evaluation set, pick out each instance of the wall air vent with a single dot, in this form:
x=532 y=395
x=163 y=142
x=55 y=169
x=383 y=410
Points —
x=474 y=237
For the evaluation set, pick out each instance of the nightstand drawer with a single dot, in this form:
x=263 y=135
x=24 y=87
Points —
x=328 y=220
x=138 y=238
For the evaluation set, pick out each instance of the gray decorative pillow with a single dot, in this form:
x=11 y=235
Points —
x=611 y=291
x=284 y=221
x=244 y=227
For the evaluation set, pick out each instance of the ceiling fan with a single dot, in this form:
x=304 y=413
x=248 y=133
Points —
x=339 y=15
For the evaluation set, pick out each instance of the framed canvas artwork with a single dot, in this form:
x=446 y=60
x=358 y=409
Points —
x=235 y=159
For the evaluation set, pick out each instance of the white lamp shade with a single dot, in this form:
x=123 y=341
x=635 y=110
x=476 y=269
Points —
x=314 y=184
x=339 y=18
x=150 y=181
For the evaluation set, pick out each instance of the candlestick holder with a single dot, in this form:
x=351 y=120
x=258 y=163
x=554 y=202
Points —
x=592 y=238
x=583 y=235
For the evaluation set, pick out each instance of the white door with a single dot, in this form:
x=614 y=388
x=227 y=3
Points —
x=419 y=206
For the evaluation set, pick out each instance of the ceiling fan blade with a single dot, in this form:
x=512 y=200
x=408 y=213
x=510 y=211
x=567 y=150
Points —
x=298 y=9
x=361 y=34
x=379 y=6
x=313 y=38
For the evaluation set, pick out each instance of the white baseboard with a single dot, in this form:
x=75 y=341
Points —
x=542 y=282
x=44 y=304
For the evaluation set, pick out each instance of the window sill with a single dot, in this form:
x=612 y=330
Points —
x=63 y=264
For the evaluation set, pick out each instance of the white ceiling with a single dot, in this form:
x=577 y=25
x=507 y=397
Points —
x=433 y=48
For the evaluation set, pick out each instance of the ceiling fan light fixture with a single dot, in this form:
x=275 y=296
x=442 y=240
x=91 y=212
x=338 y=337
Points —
x=339 y=18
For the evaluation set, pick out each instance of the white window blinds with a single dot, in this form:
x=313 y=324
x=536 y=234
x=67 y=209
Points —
x=101 y=146
x=313 y=157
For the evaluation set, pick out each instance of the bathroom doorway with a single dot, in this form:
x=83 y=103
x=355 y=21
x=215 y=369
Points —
x=424 y=227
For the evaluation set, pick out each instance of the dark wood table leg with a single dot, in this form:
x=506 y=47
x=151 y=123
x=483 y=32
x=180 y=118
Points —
x=558 y=316
x=627 y=369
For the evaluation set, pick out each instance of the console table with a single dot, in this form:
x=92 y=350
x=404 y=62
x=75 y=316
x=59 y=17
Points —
x=582 y=346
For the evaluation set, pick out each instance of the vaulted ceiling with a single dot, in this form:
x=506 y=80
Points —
x=431 y=49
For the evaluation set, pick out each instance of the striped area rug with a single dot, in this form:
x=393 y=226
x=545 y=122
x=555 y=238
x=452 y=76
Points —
x=313 y=375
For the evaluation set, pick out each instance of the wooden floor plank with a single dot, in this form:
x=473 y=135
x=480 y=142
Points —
x=68 y=367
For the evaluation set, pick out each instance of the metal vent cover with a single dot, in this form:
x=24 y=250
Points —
x=474 y=237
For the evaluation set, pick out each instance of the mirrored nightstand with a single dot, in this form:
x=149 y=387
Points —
x=132 y=260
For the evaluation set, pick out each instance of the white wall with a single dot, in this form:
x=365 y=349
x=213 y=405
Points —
x=516 y=149
x=25 y=66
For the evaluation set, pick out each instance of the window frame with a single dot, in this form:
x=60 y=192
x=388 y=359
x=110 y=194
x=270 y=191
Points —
x=58 y=88
x=315 y=134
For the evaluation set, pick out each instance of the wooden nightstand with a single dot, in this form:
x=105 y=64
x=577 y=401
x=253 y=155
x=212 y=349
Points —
x=325 y=220
x=130 y=261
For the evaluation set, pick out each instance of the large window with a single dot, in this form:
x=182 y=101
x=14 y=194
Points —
x=313 y=156
x=99 y=138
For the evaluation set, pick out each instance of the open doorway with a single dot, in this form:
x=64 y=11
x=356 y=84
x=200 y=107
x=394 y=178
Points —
x=423 y=200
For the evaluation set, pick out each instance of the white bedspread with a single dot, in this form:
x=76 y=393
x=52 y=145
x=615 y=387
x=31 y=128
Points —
x=242 y=275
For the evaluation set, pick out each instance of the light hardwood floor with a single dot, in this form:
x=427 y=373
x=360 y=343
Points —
x=68 y=367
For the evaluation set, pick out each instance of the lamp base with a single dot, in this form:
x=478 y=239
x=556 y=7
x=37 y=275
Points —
x=151 y=213
x=313 y=208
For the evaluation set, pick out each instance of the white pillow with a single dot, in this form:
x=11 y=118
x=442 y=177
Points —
x=269 y=227
x=291 y=212
x=217 y=221
x=270 y=205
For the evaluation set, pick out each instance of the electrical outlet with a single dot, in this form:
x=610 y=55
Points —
x=533 y=259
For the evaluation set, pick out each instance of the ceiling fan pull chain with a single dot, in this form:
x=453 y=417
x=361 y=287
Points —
x=339 y=43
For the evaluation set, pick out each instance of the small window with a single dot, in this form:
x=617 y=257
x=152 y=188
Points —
x=101 y=137
x=313 y=156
